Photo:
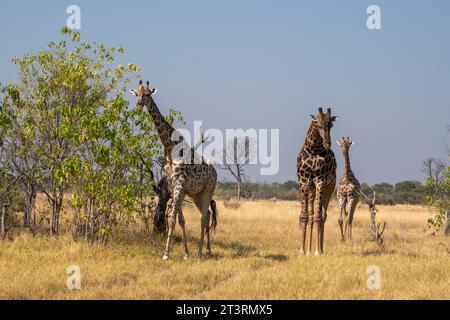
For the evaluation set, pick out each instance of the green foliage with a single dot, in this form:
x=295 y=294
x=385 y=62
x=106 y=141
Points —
x=405 y=192
x=70 y=126
x=440 y=199
x=283 y=191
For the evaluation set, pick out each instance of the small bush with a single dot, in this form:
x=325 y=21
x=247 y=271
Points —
x=231 y=204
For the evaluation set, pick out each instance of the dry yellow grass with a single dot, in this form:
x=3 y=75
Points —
x=255 y=257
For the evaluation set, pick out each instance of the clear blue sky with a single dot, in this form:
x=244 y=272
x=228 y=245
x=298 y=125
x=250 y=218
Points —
x=268 y=64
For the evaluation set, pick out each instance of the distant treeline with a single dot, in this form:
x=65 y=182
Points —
x=404 y=192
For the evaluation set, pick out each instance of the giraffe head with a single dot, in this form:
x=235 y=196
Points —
x=345 y=143
x=144 y=94
x=323 y=123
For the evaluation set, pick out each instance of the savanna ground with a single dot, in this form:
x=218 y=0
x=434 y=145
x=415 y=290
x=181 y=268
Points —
x=255 y=256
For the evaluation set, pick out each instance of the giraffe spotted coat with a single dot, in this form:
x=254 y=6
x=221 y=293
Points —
x=195 y=178
x=316 y=172
x=347 y=192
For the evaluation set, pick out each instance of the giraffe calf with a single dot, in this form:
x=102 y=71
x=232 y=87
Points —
x=347 y=193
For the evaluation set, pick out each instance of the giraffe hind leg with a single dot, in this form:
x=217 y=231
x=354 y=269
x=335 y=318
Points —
x=352 y=208
x=182 y=223
x=342 y=214
x=208 y=236
x=203 y=202
x=325 y=204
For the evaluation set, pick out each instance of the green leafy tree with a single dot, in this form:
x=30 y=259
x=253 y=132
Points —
x=383 y=188
x=15 y=156
x=439 y=183
x=70 y=129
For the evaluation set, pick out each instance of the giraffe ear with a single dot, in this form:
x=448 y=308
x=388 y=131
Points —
x=352 y=143
x=134 y=92
x=337 y=141
x=152 y=92
x=334 y=118
x=313 y=118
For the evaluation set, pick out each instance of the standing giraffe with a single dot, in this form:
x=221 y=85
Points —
x=316 y=171
x=348 y=192
x=196 y=179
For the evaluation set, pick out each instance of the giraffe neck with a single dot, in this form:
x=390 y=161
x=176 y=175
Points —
x=348 y=173
x=164 y=129
x=313 y=141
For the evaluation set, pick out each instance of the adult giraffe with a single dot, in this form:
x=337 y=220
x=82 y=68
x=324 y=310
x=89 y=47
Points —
x=316 y=171
x=196 y=179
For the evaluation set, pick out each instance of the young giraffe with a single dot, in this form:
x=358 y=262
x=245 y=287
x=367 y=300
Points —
x=316 y=171
x=348 y=192
x=196 y=179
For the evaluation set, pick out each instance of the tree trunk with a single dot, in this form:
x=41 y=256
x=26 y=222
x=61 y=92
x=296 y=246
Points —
x=239 y=181
x=56 y=210
x=239 y=188
x=159 y=220
x=447 y=227
x=2 y=222
x=29 y=204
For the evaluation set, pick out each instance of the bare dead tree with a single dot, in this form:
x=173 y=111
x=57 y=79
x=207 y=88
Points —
x=236 y=158
x=376 y=229
x=436 y=174
x=434 y=171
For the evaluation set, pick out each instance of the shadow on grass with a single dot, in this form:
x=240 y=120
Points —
x=377 y=252
x=240 y=250
x=276 y=257
x=382 y=251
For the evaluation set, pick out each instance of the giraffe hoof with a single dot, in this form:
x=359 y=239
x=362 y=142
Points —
x=318 y=253
x=185 y=256
x=199 y=256
x=302 y=252
x=308 y=253
x=165 y=257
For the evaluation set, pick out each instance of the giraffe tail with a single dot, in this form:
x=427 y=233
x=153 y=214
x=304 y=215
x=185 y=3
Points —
x=214 y=214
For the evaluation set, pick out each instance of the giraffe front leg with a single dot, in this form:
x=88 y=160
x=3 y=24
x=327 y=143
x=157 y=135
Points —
x=171 y=220
x=176 y=209
x=312 y=196
x=328 y=192
x=318 y=217
x=322 y=229
x=303 y=217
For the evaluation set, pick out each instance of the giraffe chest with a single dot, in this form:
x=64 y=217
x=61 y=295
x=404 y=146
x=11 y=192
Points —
x=312 y=167
x=348 y=187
